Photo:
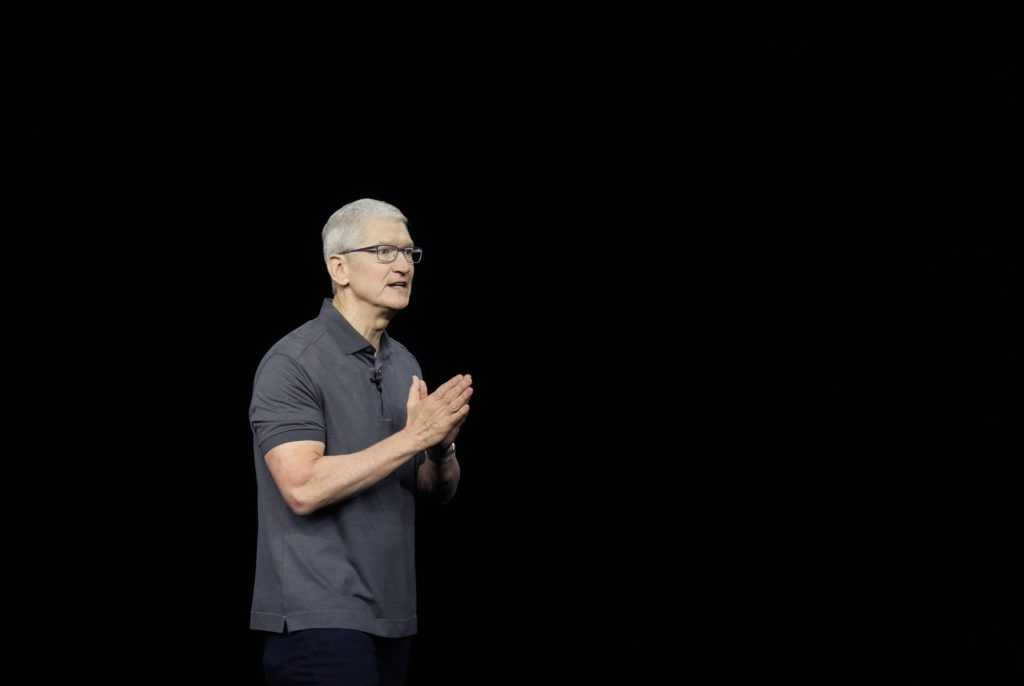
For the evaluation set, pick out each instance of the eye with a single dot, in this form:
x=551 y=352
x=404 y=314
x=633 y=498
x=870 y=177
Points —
x=385 y=252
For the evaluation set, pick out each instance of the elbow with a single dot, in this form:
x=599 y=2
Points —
x=301 y=509
x=442 y=493
x=298 y=502
x=445 y=491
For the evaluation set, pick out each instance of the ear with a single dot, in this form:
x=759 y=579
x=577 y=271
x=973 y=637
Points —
x=337 y=267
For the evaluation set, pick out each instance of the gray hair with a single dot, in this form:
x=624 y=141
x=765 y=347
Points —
x=344 y=228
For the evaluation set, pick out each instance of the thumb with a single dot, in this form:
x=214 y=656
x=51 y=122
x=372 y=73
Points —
x=414 y=390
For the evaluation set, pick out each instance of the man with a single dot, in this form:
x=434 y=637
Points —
x=347 y=439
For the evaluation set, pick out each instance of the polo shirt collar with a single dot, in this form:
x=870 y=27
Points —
x=350 y=340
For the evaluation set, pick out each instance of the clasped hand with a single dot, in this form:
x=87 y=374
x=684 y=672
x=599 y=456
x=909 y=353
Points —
x=435 y=418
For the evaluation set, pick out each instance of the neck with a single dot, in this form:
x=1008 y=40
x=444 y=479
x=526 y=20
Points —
x=369 y=322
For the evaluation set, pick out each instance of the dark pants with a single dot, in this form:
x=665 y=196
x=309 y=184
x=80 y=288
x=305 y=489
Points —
x=322 y=657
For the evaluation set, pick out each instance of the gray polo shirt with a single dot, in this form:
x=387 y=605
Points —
x=350 y=564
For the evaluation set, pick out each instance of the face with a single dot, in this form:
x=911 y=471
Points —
x=382 y=284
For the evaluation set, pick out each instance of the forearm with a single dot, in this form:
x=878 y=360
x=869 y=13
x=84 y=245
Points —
x=336 y=477
x=439 y=479
x=313 y=480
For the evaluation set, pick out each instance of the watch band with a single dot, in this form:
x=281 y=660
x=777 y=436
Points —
x=446 y=457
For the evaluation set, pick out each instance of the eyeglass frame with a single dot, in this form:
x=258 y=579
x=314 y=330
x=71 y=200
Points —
x=407 y=253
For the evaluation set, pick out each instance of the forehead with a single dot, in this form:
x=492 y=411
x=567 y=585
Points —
x=386 y=231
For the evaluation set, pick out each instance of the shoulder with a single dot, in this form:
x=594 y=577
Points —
x=292 y=351
x=297 y=342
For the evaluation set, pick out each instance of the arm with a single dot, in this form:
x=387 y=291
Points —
x=308 y=479
x=439 y=478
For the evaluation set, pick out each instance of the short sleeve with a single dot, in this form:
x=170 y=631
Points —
x=286 y=404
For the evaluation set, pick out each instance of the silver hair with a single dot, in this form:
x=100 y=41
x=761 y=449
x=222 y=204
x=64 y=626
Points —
x=344 y=228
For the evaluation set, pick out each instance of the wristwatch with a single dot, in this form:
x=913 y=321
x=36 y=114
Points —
x=446 y=457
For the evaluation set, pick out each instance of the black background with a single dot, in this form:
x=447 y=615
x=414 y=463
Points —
x=691 y=444
x=746 y=386
x=555 y=543
x=739 y=294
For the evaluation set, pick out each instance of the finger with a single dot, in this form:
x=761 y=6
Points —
x=414 y=390
x=455 y=382
x=453 y=391
x=461 y=399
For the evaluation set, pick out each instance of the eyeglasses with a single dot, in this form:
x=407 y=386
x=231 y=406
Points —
x=389 y=253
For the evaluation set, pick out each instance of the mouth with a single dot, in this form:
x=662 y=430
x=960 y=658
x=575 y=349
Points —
x=399 y=285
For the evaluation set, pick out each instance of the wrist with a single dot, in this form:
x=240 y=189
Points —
x=438 y=457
